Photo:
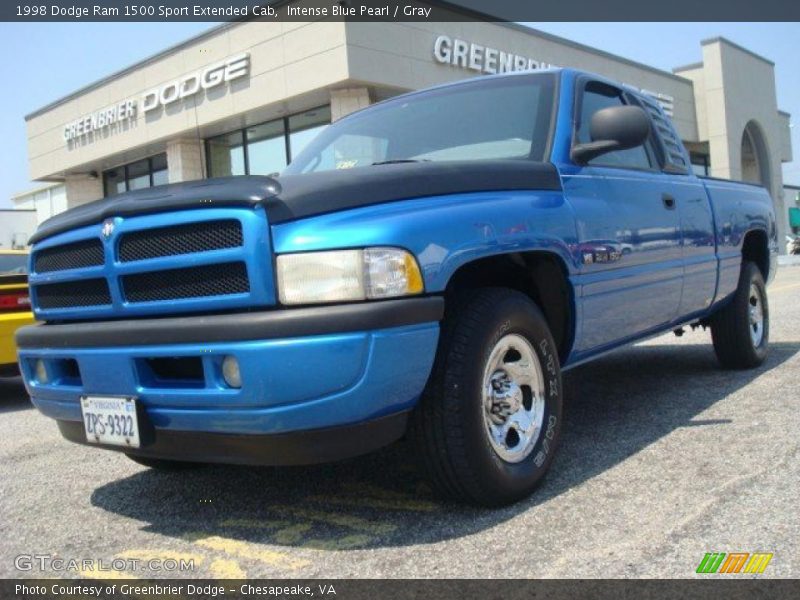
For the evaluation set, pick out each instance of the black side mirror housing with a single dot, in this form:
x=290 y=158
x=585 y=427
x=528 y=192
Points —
x=611 y=129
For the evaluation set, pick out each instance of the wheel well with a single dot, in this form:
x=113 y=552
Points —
x=542 y=276
x=756 y=249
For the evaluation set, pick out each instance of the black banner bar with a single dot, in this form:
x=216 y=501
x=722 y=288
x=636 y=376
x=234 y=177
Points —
x=33 y=11
x=732 y=587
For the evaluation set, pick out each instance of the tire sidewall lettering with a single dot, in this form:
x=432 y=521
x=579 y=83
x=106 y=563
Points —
x=543 y=348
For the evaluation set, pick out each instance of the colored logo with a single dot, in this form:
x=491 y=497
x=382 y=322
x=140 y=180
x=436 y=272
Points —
x=735 y=562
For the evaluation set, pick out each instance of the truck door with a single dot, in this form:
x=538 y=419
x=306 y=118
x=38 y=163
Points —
x=698 y=240
x=628 y=227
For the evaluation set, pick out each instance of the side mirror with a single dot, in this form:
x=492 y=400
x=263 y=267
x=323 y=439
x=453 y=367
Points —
x=611 y=129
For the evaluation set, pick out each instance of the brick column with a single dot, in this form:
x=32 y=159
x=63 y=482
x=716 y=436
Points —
x=185 y=160
x=348 y=100
x=82 y=189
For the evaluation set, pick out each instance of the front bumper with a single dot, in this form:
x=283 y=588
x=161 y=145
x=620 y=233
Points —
x=302 y=370
x=281 y=449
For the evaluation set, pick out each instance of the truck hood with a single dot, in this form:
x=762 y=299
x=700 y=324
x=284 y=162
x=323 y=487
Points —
x=292 y=197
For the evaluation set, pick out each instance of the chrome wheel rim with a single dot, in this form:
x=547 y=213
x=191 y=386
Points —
x=513 y=398
x=756 y=314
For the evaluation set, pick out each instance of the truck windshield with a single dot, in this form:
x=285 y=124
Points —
x=482 y=119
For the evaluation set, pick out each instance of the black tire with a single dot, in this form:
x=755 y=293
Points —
x=448 y=427
x=731 y=325
x=162 y=464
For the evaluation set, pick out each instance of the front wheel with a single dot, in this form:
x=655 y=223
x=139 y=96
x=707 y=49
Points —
x=489 y=421
x=740 y=330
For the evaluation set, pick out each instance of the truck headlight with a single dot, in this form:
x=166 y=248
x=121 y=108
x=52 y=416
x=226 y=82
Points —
x=347 y=275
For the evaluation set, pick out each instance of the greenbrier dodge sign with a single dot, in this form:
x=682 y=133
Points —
x=469 y=55
x=185 y=87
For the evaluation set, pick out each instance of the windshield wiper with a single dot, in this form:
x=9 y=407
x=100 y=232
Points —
x=396 y=161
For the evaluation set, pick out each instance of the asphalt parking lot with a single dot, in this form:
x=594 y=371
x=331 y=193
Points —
x=664 y=457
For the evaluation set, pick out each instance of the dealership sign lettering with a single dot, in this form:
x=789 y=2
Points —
x=185 y=87
x=469 y=55
x=484 y=59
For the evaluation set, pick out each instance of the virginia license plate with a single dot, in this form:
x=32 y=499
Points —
x=110 y=420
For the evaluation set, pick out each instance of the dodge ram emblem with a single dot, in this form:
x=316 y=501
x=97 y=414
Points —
x=108 y=228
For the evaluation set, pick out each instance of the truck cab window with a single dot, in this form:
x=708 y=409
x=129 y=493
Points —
x=598 y=98
x=482 y=119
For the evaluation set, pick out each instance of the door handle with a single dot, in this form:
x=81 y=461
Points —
x=669 y=201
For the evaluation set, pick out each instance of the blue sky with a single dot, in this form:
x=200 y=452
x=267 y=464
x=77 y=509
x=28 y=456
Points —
x=61 y=57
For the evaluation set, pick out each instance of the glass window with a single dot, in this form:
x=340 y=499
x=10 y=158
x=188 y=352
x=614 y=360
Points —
x=226 y=155
x=114 y=181
x=306 y=126
x=477 y=120
x=136 y=175
x=139 y=175
x=160 y=172
x=266 y=148
x=598 y=98
x=700 y=164
x=349 y=151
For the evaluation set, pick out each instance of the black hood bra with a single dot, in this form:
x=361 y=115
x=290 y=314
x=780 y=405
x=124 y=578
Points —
x=294 y=197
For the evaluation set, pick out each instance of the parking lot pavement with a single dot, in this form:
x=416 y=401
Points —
x=664 y=457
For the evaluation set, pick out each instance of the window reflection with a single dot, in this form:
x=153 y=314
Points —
x=225 y=154
x=136 y=175
x=304 y=127
x=266 y=148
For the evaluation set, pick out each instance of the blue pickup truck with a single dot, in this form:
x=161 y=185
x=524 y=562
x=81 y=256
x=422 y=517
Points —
x=426 y=267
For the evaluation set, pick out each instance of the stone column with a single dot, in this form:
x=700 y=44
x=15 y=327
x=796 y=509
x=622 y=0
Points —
x=81 y=189
x=348 y=100
x=185 y=160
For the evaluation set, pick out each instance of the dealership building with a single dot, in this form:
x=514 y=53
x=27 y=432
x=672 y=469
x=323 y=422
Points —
x=245 y=97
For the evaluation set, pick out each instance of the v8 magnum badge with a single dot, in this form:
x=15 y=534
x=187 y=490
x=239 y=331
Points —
x=108 y=228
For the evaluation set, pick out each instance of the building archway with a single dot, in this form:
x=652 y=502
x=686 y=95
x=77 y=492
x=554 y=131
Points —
x=755 y=156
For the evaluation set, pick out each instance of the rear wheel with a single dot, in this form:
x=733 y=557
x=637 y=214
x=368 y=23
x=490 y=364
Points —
x=740 y=330
x=489 y=421
x=162 y=464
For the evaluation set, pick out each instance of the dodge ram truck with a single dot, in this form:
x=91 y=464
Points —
x=426 y=267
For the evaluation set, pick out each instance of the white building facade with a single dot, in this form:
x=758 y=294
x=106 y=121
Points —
x=46 y=201
x=245 y=97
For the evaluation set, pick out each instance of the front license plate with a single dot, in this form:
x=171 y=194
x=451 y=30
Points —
x=109 y=420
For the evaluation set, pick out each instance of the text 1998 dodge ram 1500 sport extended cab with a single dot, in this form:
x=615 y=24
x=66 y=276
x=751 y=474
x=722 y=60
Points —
x=428 y=265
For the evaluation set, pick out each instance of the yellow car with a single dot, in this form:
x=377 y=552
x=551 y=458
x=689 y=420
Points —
x=15 y=306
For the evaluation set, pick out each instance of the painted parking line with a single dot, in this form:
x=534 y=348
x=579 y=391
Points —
x=348 y=521
x=144 y=555
x=219 y=568
x=147 y=554
x=291 y=535
x=241 y=549
x=225 y=568
x=256 y=523
x=300 y=534
x=370 y=496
